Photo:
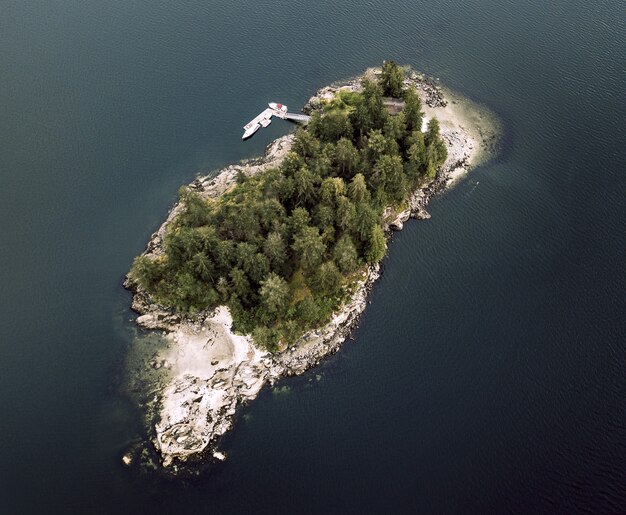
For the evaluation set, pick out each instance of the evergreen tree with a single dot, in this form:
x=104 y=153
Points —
x=305 y=144
x=345 y=255
x=324 y=216
x=347 y=157
x=305 y=190
x=412 y=110
x=392 y=79
x=377 y=145
x=416 y=155
x=146 y=272
x=394 y=184
x=334 y=125
x=240 y=284
x=327 y=279
x=365 y=221
x=275 y=249
x=309 y=247
x=395 y=127
x=196 y=210
x=376 y=245
x=373 y=101
x=346 y=214
x=203 y=267
x=265 y=337
x=432 y=132
x=331 y=189
x=358 y=189
x=275 y=295
x=298 y=221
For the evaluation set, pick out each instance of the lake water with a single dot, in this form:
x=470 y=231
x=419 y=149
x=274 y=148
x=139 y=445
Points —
x=489 y=372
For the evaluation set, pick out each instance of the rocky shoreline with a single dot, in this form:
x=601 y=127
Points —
x=211 y=370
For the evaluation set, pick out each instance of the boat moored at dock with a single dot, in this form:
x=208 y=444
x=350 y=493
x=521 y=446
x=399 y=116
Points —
x=265 y=118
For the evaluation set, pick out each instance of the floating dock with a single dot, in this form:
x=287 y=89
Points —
x=265 y=118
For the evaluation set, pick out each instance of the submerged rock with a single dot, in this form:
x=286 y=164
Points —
x=219 y=455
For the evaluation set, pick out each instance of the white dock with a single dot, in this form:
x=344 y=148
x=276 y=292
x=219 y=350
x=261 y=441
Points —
x=265 y=118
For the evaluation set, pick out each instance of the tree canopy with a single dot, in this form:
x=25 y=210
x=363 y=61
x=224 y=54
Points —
x=281 y=248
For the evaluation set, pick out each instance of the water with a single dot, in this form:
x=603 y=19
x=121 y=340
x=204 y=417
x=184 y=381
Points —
x=488 y=374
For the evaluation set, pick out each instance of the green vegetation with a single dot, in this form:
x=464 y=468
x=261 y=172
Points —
x=283 y=248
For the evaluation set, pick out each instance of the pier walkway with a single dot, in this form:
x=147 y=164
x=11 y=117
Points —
x=303 y=118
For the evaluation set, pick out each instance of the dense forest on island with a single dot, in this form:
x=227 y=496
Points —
x=283 y=249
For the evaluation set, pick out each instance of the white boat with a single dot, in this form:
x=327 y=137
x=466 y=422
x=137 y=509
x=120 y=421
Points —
x=278 y=107
x=250 y=129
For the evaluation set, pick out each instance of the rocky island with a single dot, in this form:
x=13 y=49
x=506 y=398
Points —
x=263 y=269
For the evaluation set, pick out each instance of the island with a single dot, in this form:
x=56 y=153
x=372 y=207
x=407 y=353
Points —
x=263 y=269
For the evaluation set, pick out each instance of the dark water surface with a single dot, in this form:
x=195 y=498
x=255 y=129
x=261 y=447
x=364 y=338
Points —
x=489 y=372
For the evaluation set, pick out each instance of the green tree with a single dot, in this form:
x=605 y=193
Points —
x=331 y=126
x=416 y=155
x=146 y=272
x=324 y=216
x=382 y=172
x=392 y=79
x=322 y=165
x=223 y=289
x=389 y=177
x=376 y=245
x=412 y=110
x=345 y=255
x=191 y=295
x=289 y=332
x=225 y=254
x=432 y=162
x=265 y=337
x=346 y=214
x=196 y=211
x=331 y=189
x=365 y=221
x=347 y=157
x=395 y=127
x=240 y=284
x=309 y=247
x=308 y=311
x=298 y=220
x=180 y=245
x=245 y=255
x=291 y=164
x=275 y=295
x=305 y=189
x=361 y=120
x=315 y=124
x=203 y=266
x=358 y=189
x=377 y=145
x=373 y=101
x=432 y=132
x=275 y=249
x=259 y=267
x=441 y=151
x=327 y=279
x=305 y=144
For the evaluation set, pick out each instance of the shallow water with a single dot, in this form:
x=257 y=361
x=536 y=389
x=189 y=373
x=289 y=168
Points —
x=488 y=372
